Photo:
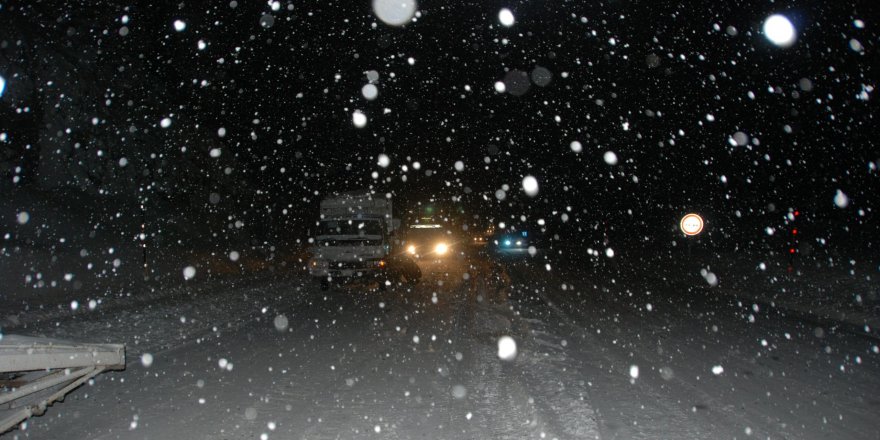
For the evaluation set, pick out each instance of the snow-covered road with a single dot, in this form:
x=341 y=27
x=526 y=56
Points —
x=601 y=353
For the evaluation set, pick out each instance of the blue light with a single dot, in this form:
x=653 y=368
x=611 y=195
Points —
x=507 y=242
x=2 y=85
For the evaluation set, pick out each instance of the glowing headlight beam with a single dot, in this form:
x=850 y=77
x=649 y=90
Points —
x=441 y=248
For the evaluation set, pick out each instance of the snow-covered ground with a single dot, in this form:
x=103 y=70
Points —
x=619 y=349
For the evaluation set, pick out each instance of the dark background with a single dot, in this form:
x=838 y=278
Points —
x=80 y=96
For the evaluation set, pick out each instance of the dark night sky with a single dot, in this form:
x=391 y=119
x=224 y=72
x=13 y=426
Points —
x=285 y=96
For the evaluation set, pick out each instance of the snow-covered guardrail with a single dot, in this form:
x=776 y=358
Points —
x=36 y=372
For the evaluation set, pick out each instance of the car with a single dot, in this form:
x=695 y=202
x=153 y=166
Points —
x=513 y=242
x=428 y=240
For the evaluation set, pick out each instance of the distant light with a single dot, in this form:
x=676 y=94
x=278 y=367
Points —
x=165 y=123
x=359 y=119
x=505 y=16
x=2 y=85
x=459 y=166
x=179 y=25
x=500 y=87
x=779 y=30
x=394 y=12
x=576 y=146
x=691 y=224
x=441 y=248
x=530 y=186
x=507 y=242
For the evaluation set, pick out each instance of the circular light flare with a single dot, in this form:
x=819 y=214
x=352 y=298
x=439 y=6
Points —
x=779 y=30
x=411 y=250
x=441 y=248
x=691 y=224
x=610 y=157
x=359 y=119
x=505 y=16
x=530 y=186
x=506 y=348
x=370 y=92
x=395 y=12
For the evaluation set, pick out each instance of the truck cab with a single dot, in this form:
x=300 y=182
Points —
x=353 y=238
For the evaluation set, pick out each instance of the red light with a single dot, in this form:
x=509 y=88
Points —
x=791 y=251
x=797 y=213
x=794 y=232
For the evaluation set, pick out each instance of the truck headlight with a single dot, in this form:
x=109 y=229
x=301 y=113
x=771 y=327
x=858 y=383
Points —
x=441 y=248
x=411 y=249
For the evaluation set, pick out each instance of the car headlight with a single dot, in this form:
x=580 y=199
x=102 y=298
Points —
x=411 y=249
x=441 y=248
x=518 y=243
x=507 y=242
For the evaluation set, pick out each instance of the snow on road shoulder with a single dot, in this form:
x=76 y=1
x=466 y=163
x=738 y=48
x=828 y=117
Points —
x=693 y=365
x=163 y=319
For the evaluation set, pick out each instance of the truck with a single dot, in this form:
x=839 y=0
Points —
x=353 y=238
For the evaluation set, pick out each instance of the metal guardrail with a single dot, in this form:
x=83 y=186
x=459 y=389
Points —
x=37 y=372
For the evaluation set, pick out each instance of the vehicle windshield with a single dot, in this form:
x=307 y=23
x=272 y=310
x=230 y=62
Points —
x=353 y=228
x=427 y=233
x=657 y=219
